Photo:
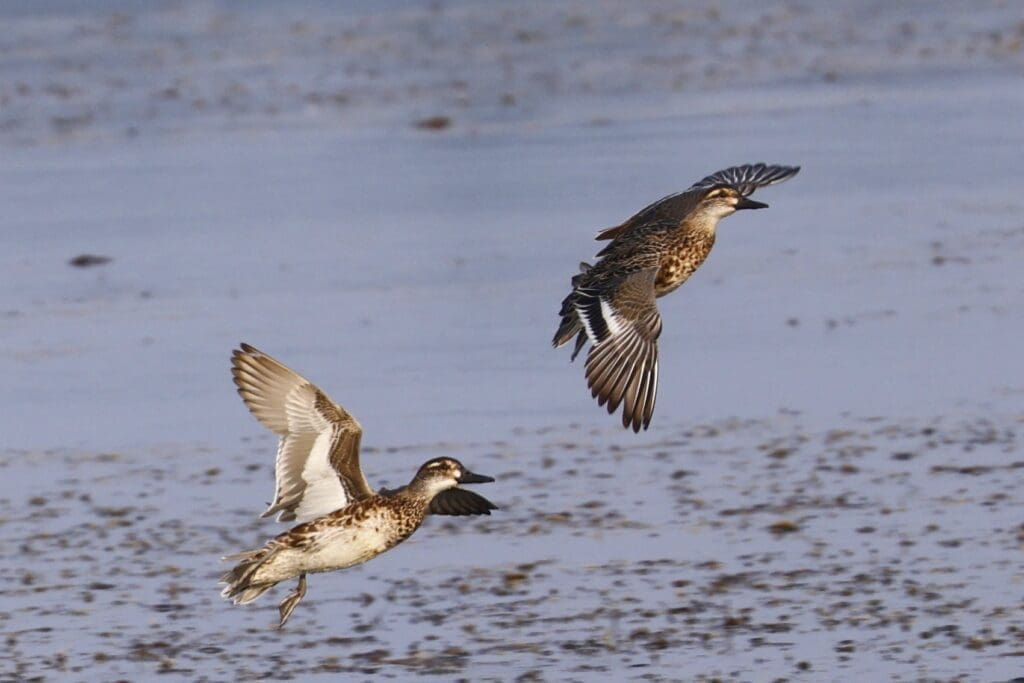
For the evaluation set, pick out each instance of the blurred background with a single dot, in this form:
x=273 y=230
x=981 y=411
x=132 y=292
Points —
x=391 y=199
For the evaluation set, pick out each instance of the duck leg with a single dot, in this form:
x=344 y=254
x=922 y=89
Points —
x=291 y=600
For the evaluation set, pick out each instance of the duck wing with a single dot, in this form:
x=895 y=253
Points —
x=317 y=468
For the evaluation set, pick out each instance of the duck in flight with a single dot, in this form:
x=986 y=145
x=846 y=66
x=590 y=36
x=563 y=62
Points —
x=613 y=302
x=341 y=521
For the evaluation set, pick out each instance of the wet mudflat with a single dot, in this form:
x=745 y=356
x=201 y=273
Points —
x=718 y=551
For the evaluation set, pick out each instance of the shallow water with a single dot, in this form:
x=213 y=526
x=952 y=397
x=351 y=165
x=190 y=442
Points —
x=829 y=486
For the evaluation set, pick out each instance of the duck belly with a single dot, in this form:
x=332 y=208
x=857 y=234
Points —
x=348 y=547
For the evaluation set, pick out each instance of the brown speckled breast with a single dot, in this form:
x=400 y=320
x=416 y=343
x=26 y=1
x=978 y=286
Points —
x=680 y=261
x=406 y=515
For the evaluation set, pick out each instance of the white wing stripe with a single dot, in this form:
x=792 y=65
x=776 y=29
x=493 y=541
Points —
x=581 y=314
x=320 y=497
x=615 y=326
x=324 y=492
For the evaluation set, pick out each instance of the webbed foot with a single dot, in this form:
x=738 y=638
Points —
x=291 y=600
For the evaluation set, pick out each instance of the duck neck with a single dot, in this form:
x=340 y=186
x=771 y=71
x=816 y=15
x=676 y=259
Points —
x=704 y=222
x=426 y=489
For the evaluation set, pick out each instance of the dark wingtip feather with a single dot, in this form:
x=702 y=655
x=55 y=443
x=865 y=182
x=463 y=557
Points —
x=581 y=339
x=460 y=502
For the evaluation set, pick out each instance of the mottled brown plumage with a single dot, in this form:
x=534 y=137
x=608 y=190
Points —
x=321 y=484
x=612 y=303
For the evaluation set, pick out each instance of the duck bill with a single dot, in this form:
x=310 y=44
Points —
x=474 y=478
x=746 y=203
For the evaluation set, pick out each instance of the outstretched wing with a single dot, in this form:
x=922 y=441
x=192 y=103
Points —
x=748 y=177
x=317 y=468
x=675 y=207
x=460 y=502
x=623 y=324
